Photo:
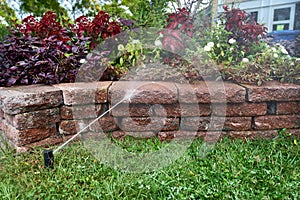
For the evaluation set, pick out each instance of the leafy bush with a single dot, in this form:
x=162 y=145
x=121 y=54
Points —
x=100 y=28
x=180 y=25
x=44 y=51
x=244 y=29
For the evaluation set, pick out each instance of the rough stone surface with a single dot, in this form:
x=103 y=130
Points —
x=132 y=110
x=89 y=111
x=84 y=93
x=286 y=108
x=170 y=135
x=105 y=124
x=273 y=91
x=212 y=136
x=143 y=92
x=35 y=119
x=143 y=135
x=20 y=99
x=276 y=122
x=149 y=124
x=70 y=127
x=295 y=132
x=253 y=134
x=161 y=110
x=27 y=136
x=241 y=109
x=211 y=92
x=182 y=110
x=218 y=123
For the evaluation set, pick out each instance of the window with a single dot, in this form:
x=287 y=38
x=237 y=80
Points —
x=254 y=15
x=280 y=27
x=283 y=17
x=282 y=14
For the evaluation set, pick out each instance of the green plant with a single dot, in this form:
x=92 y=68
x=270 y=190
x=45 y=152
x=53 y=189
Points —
x=235 y=44
x=223 y=49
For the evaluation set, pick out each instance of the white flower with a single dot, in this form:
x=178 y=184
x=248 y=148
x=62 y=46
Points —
x=127 y=10
x=245 y=60
x=135 y=41
x=231 y=49
x=121 y=47
x=231 y=41
x=275 y=55
x=82 y=61
x=273 y=49
x=209 y=46
x=218 y=45
x=157 y=43
x=3 y=21
x=283 y=50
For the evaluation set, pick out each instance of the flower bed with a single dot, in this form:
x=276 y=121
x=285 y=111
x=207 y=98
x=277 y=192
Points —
x=40 y=115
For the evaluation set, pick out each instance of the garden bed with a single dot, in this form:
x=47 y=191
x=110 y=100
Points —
x=40 y=115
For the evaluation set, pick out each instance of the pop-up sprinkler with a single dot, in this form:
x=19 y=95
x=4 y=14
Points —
x=48 y=158
x=49 y=154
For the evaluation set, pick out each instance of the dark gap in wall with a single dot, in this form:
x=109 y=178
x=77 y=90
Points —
x=57 y=128
x=252 y=123
x=104 y=108
x=271 y=108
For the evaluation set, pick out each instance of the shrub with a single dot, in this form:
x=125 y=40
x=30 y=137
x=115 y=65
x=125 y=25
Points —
x=179 y=26
x=243 y=28
x=100 y=28
x=41 y=51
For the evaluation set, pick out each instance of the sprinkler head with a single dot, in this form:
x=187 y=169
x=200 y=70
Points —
x=49 y=158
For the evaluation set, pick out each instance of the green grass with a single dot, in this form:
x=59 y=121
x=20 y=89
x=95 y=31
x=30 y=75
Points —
x=233 y=169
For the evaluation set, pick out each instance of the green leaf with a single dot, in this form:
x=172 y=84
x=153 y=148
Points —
x=121 y=61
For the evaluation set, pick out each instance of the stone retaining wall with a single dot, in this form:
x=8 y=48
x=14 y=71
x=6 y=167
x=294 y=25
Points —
x=41 y=115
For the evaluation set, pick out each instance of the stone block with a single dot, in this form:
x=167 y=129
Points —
x=27 y=136
x=240 y=109
x=143 y=92
x=253 y=134
x=20 y=99
x=211 y=92
x=90 y=111
x=295 y=132
x=273 y=91
x=287 y=108
x=170 y=135
x=132 y=110
x=182 y=110
x=143 y=135
x=149 y=124
x=35 y=119
x=211 y=136
x=215 y=123
x=273 y=122
x=105 y=124
x=84 y=93
x=71 y=127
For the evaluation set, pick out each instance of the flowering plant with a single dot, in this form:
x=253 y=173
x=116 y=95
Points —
x=236 y=44
x=222 y=48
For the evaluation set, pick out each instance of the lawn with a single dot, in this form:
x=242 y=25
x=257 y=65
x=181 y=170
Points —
x=233 y=169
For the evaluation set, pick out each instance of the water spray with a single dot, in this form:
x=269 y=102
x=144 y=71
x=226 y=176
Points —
x=49 y=154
